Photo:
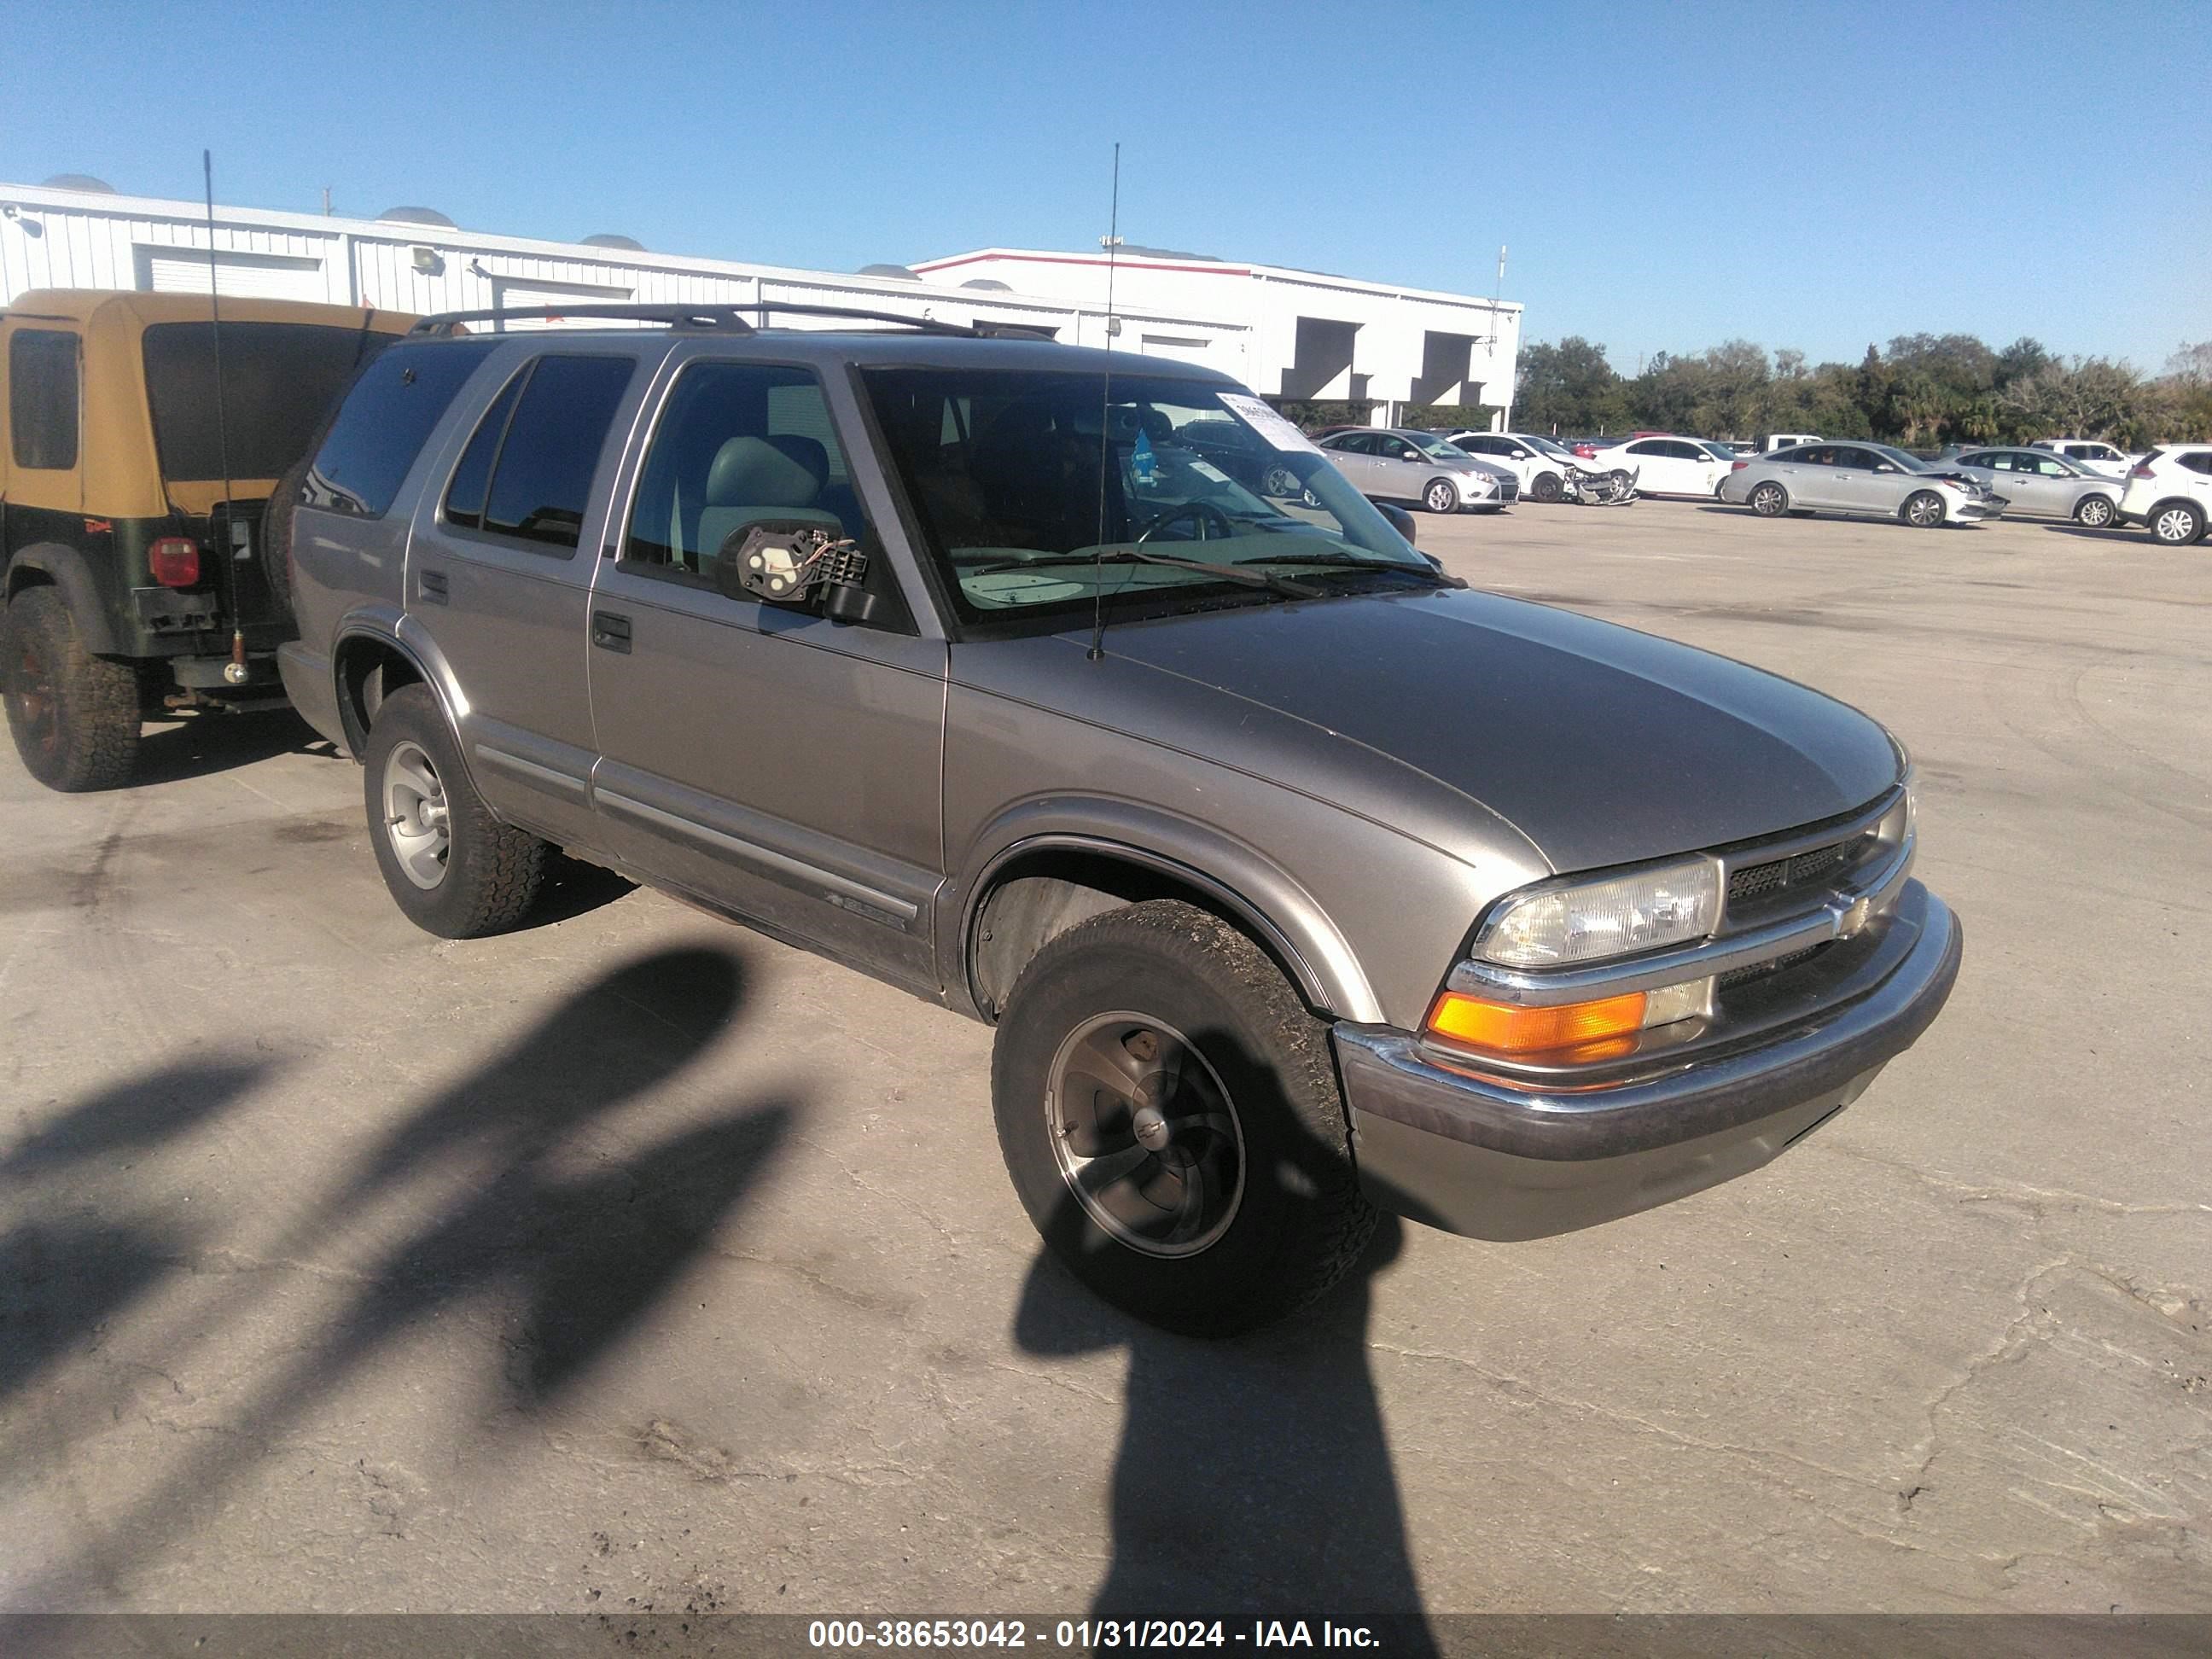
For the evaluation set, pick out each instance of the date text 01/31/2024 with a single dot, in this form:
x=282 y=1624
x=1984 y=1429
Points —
x=1083 y=1635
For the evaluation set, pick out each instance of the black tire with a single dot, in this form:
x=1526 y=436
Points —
x=276 y=540
x=1296 y=1219
x=1923 y=509
x=1546 y=487
x=1441 y=496
x=2096 y=512
x=74 y=716
x=1769 y=500
x=2175 y=524
x=488 y=874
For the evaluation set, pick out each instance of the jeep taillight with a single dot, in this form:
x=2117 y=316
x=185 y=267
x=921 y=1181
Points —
x=2140 y=469
x=174 y=560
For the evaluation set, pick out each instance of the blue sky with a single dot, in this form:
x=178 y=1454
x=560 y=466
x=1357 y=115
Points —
x=1667 y=177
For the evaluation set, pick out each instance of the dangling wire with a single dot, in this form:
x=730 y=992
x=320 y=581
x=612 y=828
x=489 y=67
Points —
x=1105 y=425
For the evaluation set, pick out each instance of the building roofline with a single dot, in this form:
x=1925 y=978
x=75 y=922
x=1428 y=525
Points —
x=403 y=234
x=1217 y=267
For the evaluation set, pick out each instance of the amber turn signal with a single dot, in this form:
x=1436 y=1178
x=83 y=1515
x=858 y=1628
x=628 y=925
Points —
x=1506 y=1029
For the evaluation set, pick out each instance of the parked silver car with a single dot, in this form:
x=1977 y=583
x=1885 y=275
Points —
x=1858 y=478
x=1298 y=879
x=2037 y=483
x=1399 y=464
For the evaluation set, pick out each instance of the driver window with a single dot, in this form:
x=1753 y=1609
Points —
x=738 y=444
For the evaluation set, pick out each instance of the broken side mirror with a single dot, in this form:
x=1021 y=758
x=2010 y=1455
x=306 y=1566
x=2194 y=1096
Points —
x=793 y=563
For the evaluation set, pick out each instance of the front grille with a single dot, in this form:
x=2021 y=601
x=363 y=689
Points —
x=1508 y=490
x=1777 y=877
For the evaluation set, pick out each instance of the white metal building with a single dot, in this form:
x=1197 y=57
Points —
x=1303 y=334
x=1287 y=334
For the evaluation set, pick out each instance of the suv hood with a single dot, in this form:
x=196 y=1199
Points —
x=1601 y=744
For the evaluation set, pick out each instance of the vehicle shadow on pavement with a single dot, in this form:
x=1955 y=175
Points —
x=2111 y=537
x=64 y=1277
x=557 y=1245
x=1254 y=1476
x=202 y=744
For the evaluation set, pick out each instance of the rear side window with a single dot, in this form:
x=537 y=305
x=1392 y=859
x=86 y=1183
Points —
x=541 y=480
x=42 y=397
x=2200 y=462
x=465 y=495
x=384 y=422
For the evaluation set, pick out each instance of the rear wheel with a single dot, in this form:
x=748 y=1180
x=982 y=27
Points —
x=1441 y=496
x=1546 y=487
x=1923 y=509
x=2094 y=511
x=2177 y=523
x=74 y=716
x=456 y=870
x=1770 y=500
x=1170 y=1117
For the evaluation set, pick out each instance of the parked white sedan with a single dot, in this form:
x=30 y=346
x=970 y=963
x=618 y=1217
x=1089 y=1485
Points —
x=1542 y=464
x=1666 y=466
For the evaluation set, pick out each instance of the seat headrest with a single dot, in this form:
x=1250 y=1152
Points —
x=750 y=471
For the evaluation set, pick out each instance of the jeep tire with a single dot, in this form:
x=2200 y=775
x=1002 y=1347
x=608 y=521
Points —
x=453 y=867
x=277 y=538
x=74 y=716
x=1169 y=1113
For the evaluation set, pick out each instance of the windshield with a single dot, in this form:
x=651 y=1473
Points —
x=1910 y=463
x=278 y=381
x=1436 y=444
x=1557 y=452
x=1016 y=492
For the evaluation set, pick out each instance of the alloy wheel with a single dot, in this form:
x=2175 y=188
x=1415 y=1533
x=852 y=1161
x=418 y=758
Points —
x=415 y=816
x=1144 y=1134
x=2176 y=525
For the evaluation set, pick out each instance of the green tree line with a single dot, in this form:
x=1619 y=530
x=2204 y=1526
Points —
x=1924 y=390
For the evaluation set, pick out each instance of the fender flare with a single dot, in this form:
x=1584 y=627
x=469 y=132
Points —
x=67 y=569
x=391 y=629
x=1250 y=887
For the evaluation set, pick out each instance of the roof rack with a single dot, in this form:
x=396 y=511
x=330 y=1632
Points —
x=721 y=319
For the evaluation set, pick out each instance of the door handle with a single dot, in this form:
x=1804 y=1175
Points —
x=431 y=585
x=611 y=632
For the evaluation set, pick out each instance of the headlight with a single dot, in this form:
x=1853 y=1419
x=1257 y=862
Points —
x=1592 y=921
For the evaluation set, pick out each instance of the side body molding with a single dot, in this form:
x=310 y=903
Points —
x=1248 y=885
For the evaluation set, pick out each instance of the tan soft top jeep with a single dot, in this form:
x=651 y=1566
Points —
x=133 y=567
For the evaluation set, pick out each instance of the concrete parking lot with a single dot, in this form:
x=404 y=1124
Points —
x=635 y=1260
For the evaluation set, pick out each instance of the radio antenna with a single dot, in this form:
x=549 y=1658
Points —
x=214 y=305
x=234 y=671
x=1113 y=242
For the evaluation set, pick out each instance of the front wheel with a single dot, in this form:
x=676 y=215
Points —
x=2096 y=512
x=1168 y=1113
x=1923 y=509
x=1770 y=500
x=1546 y=487
x=2177 y=524
x=453 y=868
x=74 y=716
x=1441 y=496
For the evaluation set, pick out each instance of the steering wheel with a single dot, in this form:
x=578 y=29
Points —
x=1204 y=513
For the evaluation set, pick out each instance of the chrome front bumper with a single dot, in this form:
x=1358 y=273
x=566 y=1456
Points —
x=1481 y=1157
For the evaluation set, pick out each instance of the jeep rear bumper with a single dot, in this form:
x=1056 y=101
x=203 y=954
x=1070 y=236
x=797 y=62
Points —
x=1476 y=1156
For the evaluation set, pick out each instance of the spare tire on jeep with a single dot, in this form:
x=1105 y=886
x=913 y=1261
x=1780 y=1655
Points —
x=276 y=550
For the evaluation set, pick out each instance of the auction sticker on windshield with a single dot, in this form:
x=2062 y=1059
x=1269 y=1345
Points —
x=1279 y=433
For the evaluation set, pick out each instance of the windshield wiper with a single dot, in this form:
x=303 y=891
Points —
x=1282 y=585
x=1353 y=561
